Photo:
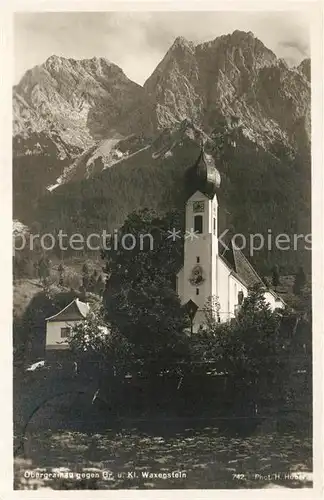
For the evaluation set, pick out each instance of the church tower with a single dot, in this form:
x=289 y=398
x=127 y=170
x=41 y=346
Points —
x=197 y=280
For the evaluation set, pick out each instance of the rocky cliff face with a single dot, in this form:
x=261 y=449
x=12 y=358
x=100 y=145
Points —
x=233 y=75
x=71 y=103
x=305 y=68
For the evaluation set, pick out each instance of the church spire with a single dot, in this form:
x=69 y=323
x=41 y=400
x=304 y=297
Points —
x=203 y=175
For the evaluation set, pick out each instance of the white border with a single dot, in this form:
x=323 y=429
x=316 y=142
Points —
x=312 y=7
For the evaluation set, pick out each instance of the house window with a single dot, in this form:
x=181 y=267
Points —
x=214 y=225
x=197 y=291
x=198 y=260
x=240 y=297
x=65 y=332
x=198 y=224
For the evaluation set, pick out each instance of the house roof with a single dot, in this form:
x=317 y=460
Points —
x=74 y=311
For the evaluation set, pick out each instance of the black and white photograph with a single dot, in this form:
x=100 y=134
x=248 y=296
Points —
x=162 y=319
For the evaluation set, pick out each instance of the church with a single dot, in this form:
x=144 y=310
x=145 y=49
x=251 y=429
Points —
x=211 y=273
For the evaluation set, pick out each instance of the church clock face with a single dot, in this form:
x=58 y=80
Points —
x=198 y=206
x=197 y=276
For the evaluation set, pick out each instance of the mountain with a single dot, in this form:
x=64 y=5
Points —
x=73 y=103
x=261 y=191
x=60 y=110
x=90 y=145
x=232 y=75
x=77 y=101
x=305 y=68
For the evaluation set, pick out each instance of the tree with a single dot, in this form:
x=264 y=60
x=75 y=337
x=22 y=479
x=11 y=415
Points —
x=155 y=253
x=61 y=274
x=93 y=281
x=103 y=354
x=140 y=298
x=23 y=266
x=85 y=268
x=211 y=312
x=266 y=281
x=251 y=350
x=43 y=269
x=100 y=285
x=85 y=277
x=300 y=281
x=275 y=276
x=149 y=315
x=225 y=135
x=90 y=338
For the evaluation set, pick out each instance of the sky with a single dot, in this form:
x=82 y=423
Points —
x=137 y=41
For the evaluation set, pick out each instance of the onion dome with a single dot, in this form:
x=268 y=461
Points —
x=203 y=176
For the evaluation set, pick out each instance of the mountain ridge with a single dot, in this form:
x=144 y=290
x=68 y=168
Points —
x=93 y=99
x=84 y=130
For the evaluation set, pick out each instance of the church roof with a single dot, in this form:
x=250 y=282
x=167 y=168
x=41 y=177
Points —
x=74 y=311
x=240 y=265
x=203 y=176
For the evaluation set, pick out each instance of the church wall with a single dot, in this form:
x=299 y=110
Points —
x=222 y=289
x=235 y=288
x=179 y=287
x=228 y=288
x=271 y=300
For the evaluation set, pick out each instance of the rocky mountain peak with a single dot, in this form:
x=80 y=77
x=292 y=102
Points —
x=95 y=65
x=239 y=36
x=78 y=99
x=305 y=68
x=51 y=59
x=233 y=75
x=182 y=43
x=242 y=48
x=82 y=127
x=226 y=76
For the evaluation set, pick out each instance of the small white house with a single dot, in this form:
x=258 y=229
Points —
x=59 y=326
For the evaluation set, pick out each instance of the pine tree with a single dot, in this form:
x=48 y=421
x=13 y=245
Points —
x=85 y=277
x=93 y=281
x=100 y=285
x=43 y=269
x=61 y=274
x=300 y=282
x=275 y=276
x=266 y=280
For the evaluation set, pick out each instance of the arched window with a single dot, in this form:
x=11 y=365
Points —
x=198 y=224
